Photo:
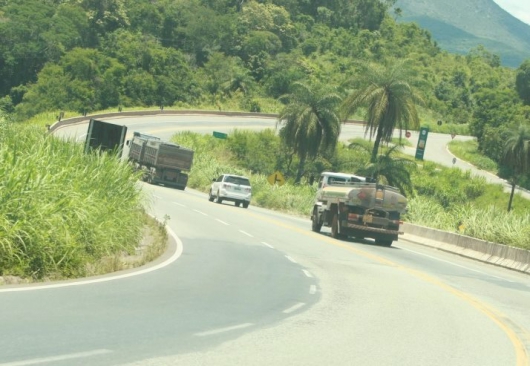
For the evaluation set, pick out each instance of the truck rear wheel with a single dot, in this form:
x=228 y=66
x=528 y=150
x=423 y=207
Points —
x=384 y=242
x=316 y=226
x=335 y=227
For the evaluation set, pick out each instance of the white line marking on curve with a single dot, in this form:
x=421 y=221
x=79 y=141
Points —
x=267 y=245
x=165 y=263
x=222 y=222
x=291 y=259
x=307 y=273
x=247 y=234
x=69 y=356
x=223 y=330
x=202 y=213
x=179 y=204
x=294 y=308
x=155 y=196
x=454 y=264
x=312 y=289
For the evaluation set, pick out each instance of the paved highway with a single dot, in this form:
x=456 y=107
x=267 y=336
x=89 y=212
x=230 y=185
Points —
x=259 y=288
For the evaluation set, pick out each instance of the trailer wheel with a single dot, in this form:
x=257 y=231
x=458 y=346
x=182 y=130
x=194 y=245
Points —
x=383 y=242
x=315 y=224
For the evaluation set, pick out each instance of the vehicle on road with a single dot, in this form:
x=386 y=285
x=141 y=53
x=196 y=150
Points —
x=357 y=206
x=230 y=187
x=161 y=162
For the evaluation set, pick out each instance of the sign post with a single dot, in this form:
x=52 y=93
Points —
x=422 y=142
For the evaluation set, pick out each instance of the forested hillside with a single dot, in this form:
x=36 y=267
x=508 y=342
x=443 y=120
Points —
x=88 y=55
x=459 y=26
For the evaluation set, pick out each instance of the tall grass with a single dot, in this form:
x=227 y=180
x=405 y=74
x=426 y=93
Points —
x=468 y=151
x=60 y=208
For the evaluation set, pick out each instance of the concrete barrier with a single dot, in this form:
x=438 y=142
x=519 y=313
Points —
x=484 y=251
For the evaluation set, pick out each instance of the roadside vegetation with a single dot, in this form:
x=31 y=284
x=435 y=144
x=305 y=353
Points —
x=63 y=212
x=468 y=151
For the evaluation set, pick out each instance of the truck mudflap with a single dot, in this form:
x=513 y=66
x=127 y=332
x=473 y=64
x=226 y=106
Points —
x=372 y=229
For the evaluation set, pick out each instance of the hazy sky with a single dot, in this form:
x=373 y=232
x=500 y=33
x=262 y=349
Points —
x=518 y=8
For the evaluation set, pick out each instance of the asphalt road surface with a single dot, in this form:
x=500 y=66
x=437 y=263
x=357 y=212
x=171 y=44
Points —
x=255 y=287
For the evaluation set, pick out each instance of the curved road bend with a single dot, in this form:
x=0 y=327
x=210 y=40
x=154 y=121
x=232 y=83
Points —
x=257 y=287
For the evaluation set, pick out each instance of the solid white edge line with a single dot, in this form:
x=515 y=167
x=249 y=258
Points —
x=247 y=234
x=222 y=330
x=294 y=308
x=35 y=361
x=222 y=222
x=312 y=289
x=307 y=273
x=202 y=213
x=291 y=259
x=454 y=264
x=173 y=258
x=267 y=245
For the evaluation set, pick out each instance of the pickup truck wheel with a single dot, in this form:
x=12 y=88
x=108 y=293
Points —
x=245 y=204
x=315 y=225
x=335 y=227
x=238 y=204
x=210 y=196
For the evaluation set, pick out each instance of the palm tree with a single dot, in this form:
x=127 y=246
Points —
x=389 y=99
x=309 y=121
x=517 y=155
x=388 y=169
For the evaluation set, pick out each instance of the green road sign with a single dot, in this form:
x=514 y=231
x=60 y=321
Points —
x=219 y=135
x=422 y=142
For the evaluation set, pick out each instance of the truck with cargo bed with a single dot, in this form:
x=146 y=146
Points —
x=161 y=162
x=356 y=206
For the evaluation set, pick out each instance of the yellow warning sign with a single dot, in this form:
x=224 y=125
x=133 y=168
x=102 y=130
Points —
x=276 y=178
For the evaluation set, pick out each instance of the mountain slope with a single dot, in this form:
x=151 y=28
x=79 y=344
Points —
x=459 y=25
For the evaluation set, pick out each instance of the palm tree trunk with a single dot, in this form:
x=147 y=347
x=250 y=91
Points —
x=300 y=170
x=377 y=142
x=511 y=196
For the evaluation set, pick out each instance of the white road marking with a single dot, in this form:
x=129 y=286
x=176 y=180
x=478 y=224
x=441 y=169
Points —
x=294 y=308
x=167 y=262
x=69 y=356
x=155 y=196
x=291 y=259
x=454 y=264
x=312 y=289
x=222 y=222
x=222 y=330
x=247 y=234
x=307 y=273
x=202 y=213
x=179 y=204
x=267 y=245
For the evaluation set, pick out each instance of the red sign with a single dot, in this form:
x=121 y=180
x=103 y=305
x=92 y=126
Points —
x=407 y=134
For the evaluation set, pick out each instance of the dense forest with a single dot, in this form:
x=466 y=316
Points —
x=88 y=55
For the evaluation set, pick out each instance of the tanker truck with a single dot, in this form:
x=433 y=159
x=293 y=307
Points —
x=356 y=206
x=161 y=162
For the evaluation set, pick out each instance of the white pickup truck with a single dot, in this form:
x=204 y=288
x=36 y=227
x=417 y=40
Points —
x=356 y=206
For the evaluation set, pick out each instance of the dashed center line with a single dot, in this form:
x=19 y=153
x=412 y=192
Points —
x=223 y=330
x=222 y=222
x=247 y=234
x=294 y=308
x=307 y=273
x=312 y=289
x=69 y=356
x=291 y=259
x=202 y=213
x=267 y=245
x=179 y=204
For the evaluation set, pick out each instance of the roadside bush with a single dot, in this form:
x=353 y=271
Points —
x=61 y=209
